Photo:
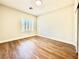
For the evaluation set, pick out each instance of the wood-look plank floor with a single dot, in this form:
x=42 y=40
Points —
x=37 y=48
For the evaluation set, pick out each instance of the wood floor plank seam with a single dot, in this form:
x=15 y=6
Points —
x=37 y=47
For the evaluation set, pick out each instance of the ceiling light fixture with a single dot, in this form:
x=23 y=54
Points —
x=38 y=2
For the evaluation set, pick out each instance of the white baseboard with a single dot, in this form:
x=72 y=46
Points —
x=59 y=40
x=16 y=38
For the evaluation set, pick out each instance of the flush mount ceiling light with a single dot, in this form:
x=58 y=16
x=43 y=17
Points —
x=38 y=2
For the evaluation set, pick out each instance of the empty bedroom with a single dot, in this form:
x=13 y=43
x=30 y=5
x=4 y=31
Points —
x=38 y=29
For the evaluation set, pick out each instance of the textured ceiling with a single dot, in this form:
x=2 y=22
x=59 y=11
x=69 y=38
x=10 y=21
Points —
x=47 y=6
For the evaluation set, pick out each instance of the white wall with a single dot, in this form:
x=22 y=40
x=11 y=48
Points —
x=10 y=27
x=58 y=25
x=78 y=28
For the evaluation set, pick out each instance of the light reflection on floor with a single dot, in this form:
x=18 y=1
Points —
x=29 y=47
